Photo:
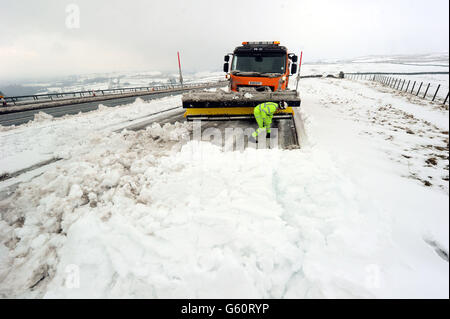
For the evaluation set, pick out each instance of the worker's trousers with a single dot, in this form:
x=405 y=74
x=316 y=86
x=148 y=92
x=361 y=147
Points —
x=264 y=122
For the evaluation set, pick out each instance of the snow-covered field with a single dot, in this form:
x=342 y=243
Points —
x=394 y=64
x=360 y=211
x=438 y=62
x=132 y=79
x=433 y=79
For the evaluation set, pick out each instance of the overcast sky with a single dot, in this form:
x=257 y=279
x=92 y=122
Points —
x=43 y=38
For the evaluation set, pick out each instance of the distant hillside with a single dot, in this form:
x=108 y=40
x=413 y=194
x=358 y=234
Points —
x=430 y=59
x=436 y=59
x=16 y=89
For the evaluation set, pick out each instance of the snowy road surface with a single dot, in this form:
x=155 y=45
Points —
x=360 y=211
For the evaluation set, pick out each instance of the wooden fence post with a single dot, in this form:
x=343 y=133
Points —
x=446 y=99
x=413 y=87
x=426 y=91
x=403 y=85
x=436 y=92
x=421 y=83
x=409 y=81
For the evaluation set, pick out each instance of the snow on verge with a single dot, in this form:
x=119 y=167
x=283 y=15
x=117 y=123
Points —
x=145 y=214
x=36 y=220
x=135 y=219
x=47 y=137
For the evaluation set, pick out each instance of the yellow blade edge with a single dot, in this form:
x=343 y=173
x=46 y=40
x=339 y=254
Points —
x=220 y=111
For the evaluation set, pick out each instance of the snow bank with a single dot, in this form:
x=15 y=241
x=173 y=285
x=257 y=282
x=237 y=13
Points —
x=36 y=218
x=47 y=137
x=257 y=224
x=151 y=214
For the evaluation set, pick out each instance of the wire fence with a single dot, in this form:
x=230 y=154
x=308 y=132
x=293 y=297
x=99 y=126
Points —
x=423 y=89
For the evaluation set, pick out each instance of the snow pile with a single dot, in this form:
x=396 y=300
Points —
x=134 y=224
x=170 y=132
x=152 y=214
x=42 y=117
x=36 y=218
x=46 y=138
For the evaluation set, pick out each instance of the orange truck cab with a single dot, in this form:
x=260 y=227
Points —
x=264 y=66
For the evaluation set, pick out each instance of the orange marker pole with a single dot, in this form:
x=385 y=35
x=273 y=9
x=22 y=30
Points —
x=299 y=68
x=179 y=68
x=300 y=64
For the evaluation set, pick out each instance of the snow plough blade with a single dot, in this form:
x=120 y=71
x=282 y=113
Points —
x=235 y=105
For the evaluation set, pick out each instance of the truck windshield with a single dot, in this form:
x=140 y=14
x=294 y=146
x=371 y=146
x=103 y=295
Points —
x=259 y=64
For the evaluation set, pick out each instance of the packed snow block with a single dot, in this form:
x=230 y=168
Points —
x=300 y=129
x=204 y=99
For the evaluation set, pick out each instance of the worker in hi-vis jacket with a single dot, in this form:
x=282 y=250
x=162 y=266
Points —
x=263 y=114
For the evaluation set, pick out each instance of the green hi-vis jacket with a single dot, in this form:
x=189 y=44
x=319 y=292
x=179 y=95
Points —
x=263 y=114
x=266 y=109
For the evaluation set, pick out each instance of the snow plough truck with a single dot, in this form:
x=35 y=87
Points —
x=257 y=72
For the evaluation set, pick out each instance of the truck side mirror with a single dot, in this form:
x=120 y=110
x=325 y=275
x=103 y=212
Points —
x=226 y=66
x=293 y=68
x=294 y=58
x=227 y=58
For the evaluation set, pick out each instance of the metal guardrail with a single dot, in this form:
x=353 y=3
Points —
x=93 y=93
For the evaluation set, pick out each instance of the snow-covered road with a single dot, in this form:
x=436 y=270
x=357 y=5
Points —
x=360 y=211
